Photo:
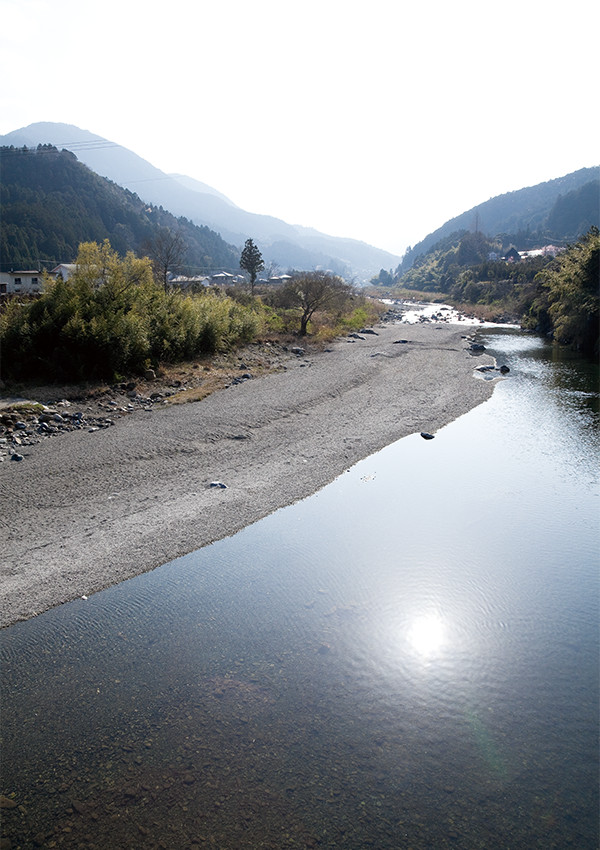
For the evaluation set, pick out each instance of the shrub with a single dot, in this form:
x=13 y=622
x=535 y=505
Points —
x=111 y=318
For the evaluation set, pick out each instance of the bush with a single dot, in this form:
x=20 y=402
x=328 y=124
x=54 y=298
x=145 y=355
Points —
x=111 y=318
x=566 y=302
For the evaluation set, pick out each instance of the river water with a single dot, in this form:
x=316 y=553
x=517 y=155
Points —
x=407 y=659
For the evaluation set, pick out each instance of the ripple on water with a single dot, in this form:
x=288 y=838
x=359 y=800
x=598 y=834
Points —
x=414 y=661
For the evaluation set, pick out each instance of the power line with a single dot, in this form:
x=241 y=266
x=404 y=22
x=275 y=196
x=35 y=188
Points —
x=48 y=147
x=74 y=147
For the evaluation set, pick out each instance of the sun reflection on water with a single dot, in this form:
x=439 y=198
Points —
x=427 y=634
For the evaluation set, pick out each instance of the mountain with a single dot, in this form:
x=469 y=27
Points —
x=285 y=244
x=51 y=202
x=198 y=186
x=557 y=210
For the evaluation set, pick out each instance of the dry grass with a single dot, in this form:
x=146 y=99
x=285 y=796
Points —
x=198 y=379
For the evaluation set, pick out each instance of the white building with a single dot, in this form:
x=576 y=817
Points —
x=20 y=282
x=64 y=270
x=184 y=281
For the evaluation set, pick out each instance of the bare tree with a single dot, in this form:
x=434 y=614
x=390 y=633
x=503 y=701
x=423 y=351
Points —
x=167 y=251
x=272 y=270
x=313 y=291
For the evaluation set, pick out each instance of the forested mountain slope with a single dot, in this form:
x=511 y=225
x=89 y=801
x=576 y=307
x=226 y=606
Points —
x=51 y=203
x=286 y=244
x=558 y=210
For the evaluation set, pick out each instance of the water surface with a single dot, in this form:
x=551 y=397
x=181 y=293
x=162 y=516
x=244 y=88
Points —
x=409 y=658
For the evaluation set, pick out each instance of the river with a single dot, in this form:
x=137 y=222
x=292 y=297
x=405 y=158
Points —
x=407 y=659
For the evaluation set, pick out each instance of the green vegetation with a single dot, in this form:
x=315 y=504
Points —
x=51 y=203
x=557 y=297
x=566 y=299
x=467 y=267
x=112 y=318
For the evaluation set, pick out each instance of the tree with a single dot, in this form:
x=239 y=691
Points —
x=251 y=261
x=166 y=251
x=272 y=269
x=100 y=267
x=313 y=291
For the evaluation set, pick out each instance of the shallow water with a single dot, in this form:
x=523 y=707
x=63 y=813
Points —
x=409 y=658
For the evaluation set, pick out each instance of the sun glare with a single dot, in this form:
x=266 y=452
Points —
x=426 y=634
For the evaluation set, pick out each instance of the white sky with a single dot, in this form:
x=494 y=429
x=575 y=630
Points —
x=377 y=120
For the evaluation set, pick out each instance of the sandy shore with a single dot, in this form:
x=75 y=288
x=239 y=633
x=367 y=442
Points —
x=86 y=510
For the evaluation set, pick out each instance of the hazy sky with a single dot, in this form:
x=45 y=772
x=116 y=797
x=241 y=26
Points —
x=377 y=120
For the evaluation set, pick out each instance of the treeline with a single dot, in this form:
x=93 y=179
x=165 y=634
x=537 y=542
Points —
x=51 y=203
x=113 y=318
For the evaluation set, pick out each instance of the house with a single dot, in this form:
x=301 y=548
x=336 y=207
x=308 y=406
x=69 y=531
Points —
x=279 y=280
x=64 y=270
x=184 y=281
x=222 y=277
x=20 y=282
x=512 y=255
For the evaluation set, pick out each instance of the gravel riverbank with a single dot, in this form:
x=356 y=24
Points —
x=87 y=509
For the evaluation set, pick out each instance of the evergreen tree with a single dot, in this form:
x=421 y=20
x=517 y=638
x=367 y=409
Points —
x=251 y=261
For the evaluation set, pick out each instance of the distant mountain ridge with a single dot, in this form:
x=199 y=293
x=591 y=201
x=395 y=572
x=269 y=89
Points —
x=286 y=244
x=562 y=209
